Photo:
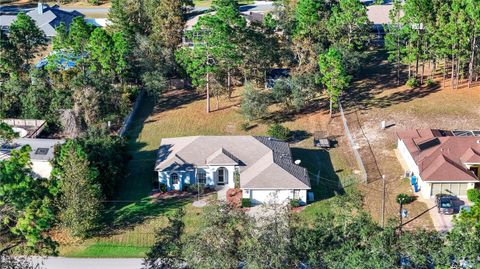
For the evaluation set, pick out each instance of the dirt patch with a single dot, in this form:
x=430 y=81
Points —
x=375 y=100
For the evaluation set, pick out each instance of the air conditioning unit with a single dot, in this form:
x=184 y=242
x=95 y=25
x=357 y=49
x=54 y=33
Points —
x=408 y=173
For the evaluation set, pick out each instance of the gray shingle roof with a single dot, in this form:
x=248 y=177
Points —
x=222 y=157
x=42 y=149
x=263 y=162
x=47 y=20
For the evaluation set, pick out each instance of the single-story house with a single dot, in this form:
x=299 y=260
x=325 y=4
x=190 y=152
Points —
x=441 y=162
x=46 y=17
x=262 y=167
x=41 y=155
x=42 y=149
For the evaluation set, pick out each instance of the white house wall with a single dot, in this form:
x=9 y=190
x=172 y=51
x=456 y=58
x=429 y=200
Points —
x=269 y=196
x=230 y=183
x=407 y=157
x=189 y=177
x=425 y=187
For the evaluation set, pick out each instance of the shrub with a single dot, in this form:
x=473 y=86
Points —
x=430 y=82
x=163 y=187
x=246 y=202
x=195 y=188
x=412 y=83
x=278 y=131
x=473 y=195
x=404 y=199
x=254 y=103
x=295 y=203
x=236 y=178
x=244 y=126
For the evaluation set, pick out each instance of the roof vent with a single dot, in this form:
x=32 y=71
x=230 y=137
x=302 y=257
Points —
x=41 y=151
x=297 y=162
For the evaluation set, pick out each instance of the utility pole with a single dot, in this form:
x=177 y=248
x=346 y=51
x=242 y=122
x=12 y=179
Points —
x=383 y=202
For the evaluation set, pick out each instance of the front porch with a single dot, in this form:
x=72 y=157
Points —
x=212 y=176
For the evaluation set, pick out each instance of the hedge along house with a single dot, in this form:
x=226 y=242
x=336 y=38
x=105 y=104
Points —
x=441 y=162
x=262 y=167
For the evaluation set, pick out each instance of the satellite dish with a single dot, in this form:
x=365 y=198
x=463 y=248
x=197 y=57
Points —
x=297 y=162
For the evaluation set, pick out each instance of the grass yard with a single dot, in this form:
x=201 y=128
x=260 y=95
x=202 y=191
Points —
x=182 y=113
x=376 y=97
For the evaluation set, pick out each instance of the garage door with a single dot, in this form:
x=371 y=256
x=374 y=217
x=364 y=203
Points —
x=457 y=189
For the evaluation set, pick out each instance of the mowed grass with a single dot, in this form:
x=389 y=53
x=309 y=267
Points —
x=330 y=175
x=132 y=216
x=132 y=242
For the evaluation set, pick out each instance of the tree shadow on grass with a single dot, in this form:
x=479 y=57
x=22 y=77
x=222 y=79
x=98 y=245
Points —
x=176 y=99
x=323 y=178
x=131 y=214
x=132 y=204
x=285 y=115
x=376 y=76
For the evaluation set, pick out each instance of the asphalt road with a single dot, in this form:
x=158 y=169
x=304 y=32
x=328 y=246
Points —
x=85 y=263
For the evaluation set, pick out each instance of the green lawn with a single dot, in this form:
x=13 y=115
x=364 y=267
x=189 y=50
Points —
x=133 y=219
x=330 y=175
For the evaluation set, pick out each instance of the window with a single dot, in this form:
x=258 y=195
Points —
x=202 y=176
x=221 y=176
x=296 y=194
x=174 y=178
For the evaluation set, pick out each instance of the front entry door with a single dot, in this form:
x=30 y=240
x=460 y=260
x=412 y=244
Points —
x=221 y=176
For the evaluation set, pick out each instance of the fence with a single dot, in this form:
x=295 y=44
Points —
x=35 y=127
x=129 y=117
x=354 y=146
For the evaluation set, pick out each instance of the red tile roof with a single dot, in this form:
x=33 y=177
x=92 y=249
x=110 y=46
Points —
x=441 y=157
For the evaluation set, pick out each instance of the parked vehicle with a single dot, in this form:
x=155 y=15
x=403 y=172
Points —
x=445 y=204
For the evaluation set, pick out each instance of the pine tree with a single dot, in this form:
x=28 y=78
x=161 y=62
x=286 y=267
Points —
x=80 y=199
x=26 y=37
x=333 y=75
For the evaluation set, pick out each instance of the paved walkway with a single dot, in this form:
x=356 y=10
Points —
x=222 y=193
x=442 y=223
x=85 y=263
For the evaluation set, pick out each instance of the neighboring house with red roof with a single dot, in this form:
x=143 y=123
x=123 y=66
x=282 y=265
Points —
x=441 y=162
x=264 y=166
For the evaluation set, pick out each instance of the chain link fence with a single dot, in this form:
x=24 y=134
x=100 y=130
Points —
x=354 y=146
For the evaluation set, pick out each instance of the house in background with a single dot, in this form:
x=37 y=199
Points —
x=274 y=75
x=262 y=166
x=441 y=162
x=47 y=18
x=43 y=150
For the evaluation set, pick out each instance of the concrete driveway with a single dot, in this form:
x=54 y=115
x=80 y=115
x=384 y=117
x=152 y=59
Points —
x=442 y=223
